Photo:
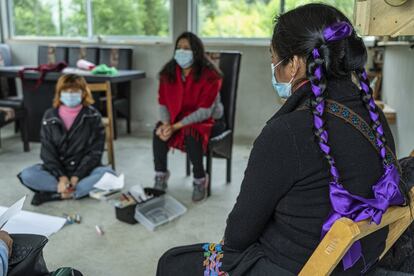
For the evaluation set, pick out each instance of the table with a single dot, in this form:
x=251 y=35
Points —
x=37 y=100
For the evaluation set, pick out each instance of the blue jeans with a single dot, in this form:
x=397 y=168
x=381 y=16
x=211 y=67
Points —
x=39 y=179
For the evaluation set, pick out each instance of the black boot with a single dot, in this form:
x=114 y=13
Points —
x=42 y=197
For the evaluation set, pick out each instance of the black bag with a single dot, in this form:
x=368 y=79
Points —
x=66 y=271
x=27 y=255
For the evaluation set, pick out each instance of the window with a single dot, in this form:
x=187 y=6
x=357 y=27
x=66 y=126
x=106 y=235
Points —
x=236 y=18
x=131 y=17
x=49 y=18
x=90 y=18
x=345 y=6
x=248 y=18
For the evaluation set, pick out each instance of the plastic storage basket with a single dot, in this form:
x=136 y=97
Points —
x=158 y=211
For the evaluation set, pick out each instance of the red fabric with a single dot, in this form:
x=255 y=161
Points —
x=184 y=97
x=43 y=69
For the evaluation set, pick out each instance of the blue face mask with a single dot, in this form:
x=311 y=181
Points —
x=184 y=58
x=283 y=89
x=71 y=99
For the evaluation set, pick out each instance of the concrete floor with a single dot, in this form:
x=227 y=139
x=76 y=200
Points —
x=124 y=249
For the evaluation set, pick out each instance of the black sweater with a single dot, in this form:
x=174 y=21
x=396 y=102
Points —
x=284 y=197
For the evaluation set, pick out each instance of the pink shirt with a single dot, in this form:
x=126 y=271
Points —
x=69 y=114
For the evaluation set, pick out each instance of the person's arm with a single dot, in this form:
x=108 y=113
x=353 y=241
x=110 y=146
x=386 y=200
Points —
x=164 y=114
x=218 y=109
x=49 y=153
x=201 y=114
x=273 y=164
x=4 y=258
x=6 y=246
x=93 y=157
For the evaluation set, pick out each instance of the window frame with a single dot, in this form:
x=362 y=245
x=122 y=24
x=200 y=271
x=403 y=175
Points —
x=90 y=37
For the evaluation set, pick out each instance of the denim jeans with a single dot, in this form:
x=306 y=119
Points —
x=38 y=179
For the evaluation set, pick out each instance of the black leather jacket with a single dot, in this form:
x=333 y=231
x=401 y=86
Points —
x=73 y=152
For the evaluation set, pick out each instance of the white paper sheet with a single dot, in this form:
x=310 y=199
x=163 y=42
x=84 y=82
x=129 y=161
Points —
x=138 y=192
x=110 y=182
x=33 y=223
x=8 y=213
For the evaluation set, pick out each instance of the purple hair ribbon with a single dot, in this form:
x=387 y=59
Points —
x=337 y=31
x=345 y=204
x=356 y=208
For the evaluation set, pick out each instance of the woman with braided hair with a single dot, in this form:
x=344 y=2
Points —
x=327 y=153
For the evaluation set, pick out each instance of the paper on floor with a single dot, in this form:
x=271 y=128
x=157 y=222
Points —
x=33 y=223
x=110 y=182
x=8 y=213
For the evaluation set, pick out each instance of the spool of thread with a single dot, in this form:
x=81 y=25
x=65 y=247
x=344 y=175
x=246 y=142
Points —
x=85 y=65
x=78 y=218
x=99 y=230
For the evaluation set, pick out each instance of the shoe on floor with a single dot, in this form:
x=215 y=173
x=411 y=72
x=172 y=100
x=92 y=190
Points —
x=161 y=180
x=200 y=189
x=42 y=197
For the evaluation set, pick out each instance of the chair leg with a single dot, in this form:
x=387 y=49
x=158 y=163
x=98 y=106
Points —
x=16 y=126
x=228 y=170
x=187 y=165
x=111 y=156
x=109 y=146
x=24 y=133
x=209 y=170
x=128 y=117
x=115 y=119
x=128 y=123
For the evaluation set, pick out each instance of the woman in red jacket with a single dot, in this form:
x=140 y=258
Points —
x=189 y=101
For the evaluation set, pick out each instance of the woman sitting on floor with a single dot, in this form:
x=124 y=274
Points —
x=72 y=142
x=189 y=104
x=311 y=164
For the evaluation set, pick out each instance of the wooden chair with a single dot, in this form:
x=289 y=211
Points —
x=105 y=87
x=345 y=232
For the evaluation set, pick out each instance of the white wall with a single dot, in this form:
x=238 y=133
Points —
x=398 y=92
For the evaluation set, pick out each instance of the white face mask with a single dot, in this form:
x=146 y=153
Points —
x=71 y=99
x=284 y=90
x=184 y=58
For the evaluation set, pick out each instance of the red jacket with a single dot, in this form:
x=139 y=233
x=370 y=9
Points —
x=184 y=97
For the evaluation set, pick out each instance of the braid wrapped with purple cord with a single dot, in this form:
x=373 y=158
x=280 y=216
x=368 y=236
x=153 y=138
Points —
x=386 y=190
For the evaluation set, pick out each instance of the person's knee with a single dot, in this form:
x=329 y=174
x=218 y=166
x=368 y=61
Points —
x=101 y=170
x=29 y=174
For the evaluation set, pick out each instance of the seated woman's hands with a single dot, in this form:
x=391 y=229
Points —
x=166 y=130
x=74 y=180
x=160 y=130
x=63 y=184
x=4 y=236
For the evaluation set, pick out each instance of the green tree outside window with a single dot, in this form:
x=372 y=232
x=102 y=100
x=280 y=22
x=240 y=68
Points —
x=250 y=18
x=68 y=18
